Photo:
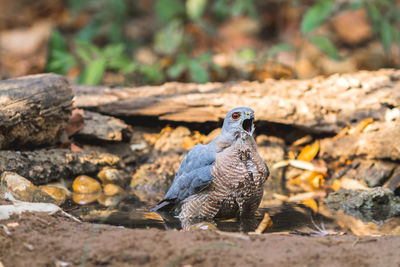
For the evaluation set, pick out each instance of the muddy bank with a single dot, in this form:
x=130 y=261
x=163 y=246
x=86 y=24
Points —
x=45 y=240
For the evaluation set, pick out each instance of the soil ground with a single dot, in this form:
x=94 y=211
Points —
x=36 y=239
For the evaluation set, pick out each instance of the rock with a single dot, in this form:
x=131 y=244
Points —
x=172 y=139
x=378 y=173
x=378 y=204
x=59 y=194
x=272 y=150
x=152 y=180
x=372 y=172
x=378 y=141
x=84 y=184
x=112 y=189
x=394 y=182
x=108 y=200
x=45 y=165
x=352 y=27
x=83 y=199
x=103 y=128
x=22 y=189
x=113 y=176
x=202 y=226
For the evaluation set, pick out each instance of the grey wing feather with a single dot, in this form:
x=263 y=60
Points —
x=193 y=175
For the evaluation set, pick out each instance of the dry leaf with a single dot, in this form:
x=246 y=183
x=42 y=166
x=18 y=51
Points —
x=311 y=203
x=309 y=152
x=301 y=164
x=352 y=184
x=361 y=126
x=264 y=224
x=302 y=196
x=303 y=140
x=75 y=122
x=336 y=185
x=75 y=148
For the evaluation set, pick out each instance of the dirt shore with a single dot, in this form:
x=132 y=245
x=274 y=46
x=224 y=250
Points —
x=34 y=239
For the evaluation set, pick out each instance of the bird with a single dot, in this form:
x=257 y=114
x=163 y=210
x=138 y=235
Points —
x=222 y=179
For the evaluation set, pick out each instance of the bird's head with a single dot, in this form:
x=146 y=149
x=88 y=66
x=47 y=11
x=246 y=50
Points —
x=239 y=122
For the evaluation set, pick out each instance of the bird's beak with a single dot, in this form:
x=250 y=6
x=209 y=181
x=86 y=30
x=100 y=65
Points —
x=248 y=123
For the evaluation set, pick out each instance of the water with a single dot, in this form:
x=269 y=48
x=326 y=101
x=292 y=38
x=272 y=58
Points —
x=128 y=213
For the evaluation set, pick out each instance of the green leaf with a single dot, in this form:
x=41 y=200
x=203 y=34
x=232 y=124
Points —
x=247 y=54
x=374 y=13
x=168 y=9
x=151 y=73
x=396 y=36
x=88 y=32
x=168 y=39
x=356 y=5
x=58 y=42
x=59 y=59
x=282 y=47
x=93 y=72
x=243 y=7
x=386 y=35
x=316 y=15
x=326 y=46
x=219 y=9
x=176 y=70
x=195 y=8
x=198 y=74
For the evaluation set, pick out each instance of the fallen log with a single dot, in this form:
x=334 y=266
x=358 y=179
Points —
x=43 y=166
x=34 y=110
x=319 y=104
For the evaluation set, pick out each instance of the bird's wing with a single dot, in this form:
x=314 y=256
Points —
x=193 y=175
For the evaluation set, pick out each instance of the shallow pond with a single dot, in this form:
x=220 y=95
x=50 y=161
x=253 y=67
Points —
x=286 y=217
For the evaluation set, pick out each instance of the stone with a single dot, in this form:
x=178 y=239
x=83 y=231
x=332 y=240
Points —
x=171 y=139
x=59 y=194
x=378 y=173
x=113 y=176
x=83 y=199
x=377 y=204
x=152 y=180
x=112 y=189
x=84 y=184
x=22 y=189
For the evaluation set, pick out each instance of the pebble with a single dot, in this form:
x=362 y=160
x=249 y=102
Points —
x=22 y=189
x=59 y=194
x=84 y=184
x=112 y=176
x=83 y=199
x=112 y=189
x=202 y=226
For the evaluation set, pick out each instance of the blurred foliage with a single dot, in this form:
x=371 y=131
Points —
x=383 y=14
x=100 y=44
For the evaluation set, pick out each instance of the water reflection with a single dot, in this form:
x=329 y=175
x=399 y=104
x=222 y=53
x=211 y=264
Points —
x=286 y=218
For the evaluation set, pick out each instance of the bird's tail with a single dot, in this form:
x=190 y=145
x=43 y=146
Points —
x=160 y=205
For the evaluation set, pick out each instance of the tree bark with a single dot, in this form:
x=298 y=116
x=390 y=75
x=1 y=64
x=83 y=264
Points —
x=34 y=110
x=318 y=105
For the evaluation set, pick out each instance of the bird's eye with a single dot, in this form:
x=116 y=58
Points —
x=235 y=116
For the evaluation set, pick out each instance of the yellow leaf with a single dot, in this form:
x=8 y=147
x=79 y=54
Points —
x=336 y=185
x=317 y=181
x=311 y=203
x=309 y=152
x=361 y=126
x=264 y=224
